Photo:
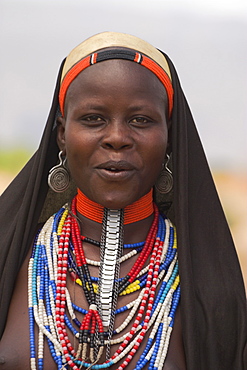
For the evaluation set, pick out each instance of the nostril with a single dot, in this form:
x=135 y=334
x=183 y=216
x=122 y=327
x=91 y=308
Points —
x=108 y=145
x=116 y=145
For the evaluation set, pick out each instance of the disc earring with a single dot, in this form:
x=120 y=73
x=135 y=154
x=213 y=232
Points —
x=59 y=177
x=164 y=184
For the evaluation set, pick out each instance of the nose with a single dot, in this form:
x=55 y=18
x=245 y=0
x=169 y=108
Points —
x=117 y=136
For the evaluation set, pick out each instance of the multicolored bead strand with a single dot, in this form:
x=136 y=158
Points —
x=57 y=252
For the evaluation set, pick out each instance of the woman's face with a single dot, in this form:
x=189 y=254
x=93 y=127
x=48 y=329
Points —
x=114 y=131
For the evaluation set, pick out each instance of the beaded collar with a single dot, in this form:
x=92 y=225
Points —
x=135 y=212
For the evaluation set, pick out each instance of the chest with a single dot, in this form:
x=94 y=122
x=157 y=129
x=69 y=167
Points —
x=15 y=343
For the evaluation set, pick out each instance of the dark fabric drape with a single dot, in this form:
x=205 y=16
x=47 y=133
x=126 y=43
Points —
x=213 y=301
x=20 y=208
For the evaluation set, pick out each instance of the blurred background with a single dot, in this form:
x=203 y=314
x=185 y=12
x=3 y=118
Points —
x=207 y=41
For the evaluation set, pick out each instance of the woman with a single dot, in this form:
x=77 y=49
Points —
x=118 y=120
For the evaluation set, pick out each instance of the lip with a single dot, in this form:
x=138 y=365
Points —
x=115 y=170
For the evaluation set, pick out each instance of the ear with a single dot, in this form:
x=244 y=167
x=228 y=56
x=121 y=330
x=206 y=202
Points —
x=61 y=133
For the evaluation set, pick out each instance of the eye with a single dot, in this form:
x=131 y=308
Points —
x=140 y=121
x=93 y=119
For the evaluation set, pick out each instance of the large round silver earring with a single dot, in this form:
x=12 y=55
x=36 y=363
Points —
x=164 y=183
x=59 y=177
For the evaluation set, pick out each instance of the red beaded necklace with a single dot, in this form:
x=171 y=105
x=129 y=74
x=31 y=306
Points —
x=153 y=247
x=134 y=212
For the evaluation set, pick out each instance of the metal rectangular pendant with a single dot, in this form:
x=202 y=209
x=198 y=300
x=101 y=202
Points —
x=109 y=261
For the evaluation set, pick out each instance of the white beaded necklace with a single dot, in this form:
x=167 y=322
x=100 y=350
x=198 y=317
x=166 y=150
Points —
x=42 y=298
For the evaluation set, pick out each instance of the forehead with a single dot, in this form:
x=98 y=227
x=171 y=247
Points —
x=118 y=75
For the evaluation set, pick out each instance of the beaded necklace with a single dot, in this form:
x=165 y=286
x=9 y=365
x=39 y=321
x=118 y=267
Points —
x=51 y=307
x=135 y=212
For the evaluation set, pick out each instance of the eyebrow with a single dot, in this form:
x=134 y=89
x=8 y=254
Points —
x=103 y=106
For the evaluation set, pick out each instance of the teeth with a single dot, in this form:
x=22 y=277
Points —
x=114 y=169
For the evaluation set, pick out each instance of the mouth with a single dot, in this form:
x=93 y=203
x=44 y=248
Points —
x=116 y=166
x=115 y=169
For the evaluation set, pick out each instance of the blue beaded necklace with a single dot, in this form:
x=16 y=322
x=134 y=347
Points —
x=42 y=296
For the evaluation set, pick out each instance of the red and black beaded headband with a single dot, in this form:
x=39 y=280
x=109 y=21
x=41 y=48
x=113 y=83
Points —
x=118 y=53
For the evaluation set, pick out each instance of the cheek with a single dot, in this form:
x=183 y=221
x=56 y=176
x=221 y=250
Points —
x=75 y=149
x=157 y=161
x=160 y=146
x=155 y=156
x=73 y=139
x=80 y=150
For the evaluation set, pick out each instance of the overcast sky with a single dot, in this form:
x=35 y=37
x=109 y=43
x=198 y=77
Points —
x=207 y=41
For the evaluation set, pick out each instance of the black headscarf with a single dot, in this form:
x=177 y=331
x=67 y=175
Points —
x=213 y=303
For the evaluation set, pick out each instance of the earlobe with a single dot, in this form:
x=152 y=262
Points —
x=61 y=133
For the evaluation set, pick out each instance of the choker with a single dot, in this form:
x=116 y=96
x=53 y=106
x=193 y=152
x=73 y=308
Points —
x=134 y=212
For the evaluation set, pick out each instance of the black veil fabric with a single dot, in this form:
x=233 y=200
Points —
x=20 y=208
x=213 y=300
x=213 y=303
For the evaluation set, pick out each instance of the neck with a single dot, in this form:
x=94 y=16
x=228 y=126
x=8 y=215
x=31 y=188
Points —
x=137 y=211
